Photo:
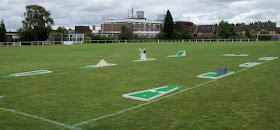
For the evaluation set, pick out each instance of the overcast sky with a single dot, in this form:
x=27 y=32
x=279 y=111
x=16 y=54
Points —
x=71 y=13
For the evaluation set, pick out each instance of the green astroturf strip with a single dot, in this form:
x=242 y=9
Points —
x=268 y=58
x=250 y=64
x=95 y=66
x=234 y=55
x=213 y=75
x=145 y=95
x=180 y=53
x=28 y=73
x=148 y=59
x=151 y=94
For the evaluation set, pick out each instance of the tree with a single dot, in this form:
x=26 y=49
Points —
x=161 y=35
x=248 y=34
x=3 y=37
x=168 y=26
x=181 y=32
x=264 y=37
x=253 y=32
x=63 y=31
x=59 y=34
x=126 y=33
x=89 y=36
x=226 y=29
x=37 y=24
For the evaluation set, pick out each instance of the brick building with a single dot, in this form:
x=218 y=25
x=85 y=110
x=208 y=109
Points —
x=141 y=27
x=206 y=31
x=257 y=27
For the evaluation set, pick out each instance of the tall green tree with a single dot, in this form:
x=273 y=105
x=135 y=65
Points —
x=36 y=24
x=3 y=37
x=248 y=34
x=226 y=29
x=182 y=32
x=63 y=31
x=126 y=33
x=168 y=26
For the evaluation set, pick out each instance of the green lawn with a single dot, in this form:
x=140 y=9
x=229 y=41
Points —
x=75 y=97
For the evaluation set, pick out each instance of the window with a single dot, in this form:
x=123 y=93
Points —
x=149 y=27
x=80 y=37
x=144 y=29
x=133 y=27
x=139 y=27
x=154 y=27
x=158 y=27
x=72 y=37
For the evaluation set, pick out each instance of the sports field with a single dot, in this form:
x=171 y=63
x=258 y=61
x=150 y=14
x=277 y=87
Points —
x=72 y=97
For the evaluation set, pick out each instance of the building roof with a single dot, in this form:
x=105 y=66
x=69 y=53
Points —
x=128 y=20
x=270 y=26
x=206 y=28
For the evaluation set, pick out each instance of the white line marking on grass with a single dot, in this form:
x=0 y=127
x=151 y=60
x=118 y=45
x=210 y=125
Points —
x=39 y=118
x=143 y=104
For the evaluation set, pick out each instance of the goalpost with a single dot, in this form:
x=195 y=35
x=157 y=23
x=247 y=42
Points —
x=277 y=36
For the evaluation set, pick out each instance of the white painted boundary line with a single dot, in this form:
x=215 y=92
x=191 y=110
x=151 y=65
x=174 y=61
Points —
x=39 y=118
x=143 y=104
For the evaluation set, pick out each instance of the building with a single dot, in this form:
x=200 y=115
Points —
x=140 y=26
x=278 y=30
x=78 y=34
x=13 y=37
x=256 y=28
x=206 y=31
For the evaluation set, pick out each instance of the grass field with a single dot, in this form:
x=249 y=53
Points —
x=76 y=98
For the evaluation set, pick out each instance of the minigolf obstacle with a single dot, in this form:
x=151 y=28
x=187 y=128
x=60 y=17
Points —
x=29 y=73
x=151 y=94
x=3 y=96
x=234 y=55
x=180 y=53
x=102 y=63
x=250 y=64
x=143 y=56
x=221 y=72
x=268 y=58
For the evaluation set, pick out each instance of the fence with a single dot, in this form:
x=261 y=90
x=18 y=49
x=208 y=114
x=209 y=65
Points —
x=162 y=41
